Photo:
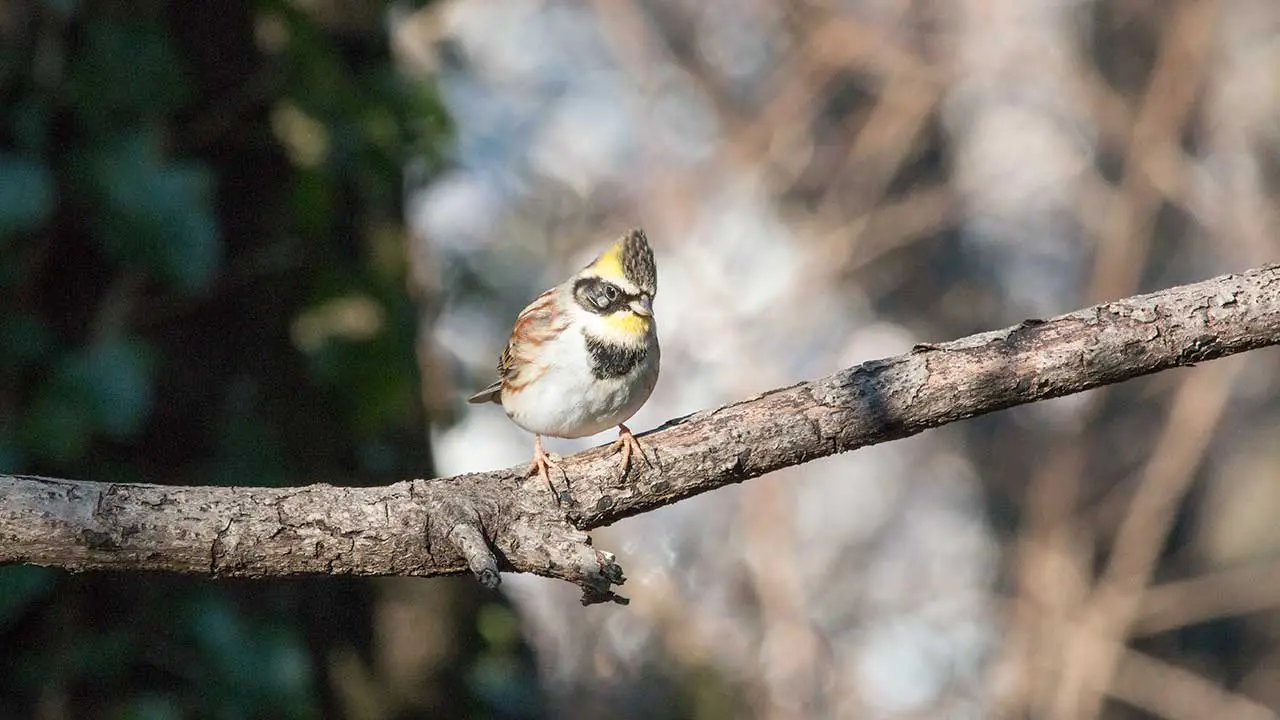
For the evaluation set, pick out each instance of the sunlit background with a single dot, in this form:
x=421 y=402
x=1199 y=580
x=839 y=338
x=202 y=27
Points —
x=280 y=242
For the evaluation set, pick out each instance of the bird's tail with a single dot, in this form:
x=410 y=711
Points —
x=493 y=394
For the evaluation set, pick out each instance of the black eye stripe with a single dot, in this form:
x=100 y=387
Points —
x=601 y=296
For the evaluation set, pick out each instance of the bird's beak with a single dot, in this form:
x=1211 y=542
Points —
x=642 y=306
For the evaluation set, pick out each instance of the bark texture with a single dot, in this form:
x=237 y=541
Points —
x=501 y=521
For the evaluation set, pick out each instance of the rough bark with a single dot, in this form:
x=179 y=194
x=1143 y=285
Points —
x=501 y=521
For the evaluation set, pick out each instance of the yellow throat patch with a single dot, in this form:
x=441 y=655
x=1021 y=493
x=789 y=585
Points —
x=627 y=324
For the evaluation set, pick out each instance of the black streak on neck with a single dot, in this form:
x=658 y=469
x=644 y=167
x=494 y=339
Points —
x=609 y=361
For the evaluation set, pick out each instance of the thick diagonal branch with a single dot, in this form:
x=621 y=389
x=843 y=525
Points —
x=499 y=520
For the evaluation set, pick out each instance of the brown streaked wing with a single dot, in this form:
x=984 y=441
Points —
x=540 y=321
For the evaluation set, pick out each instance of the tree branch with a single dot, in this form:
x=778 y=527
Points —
x=500 y=520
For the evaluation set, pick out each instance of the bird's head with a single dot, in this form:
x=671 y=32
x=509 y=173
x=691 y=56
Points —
x=618 y=287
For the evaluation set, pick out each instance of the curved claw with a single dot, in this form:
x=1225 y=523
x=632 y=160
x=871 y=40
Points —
x=542 y=463
x=627 y=445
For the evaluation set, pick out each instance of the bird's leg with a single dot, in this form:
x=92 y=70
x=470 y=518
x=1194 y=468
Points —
x=627 y=444
x=542 y=462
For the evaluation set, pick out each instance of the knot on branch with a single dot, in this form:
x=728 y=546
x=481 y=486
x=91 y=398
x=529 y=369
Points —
x=469 y=541
x=540 y=542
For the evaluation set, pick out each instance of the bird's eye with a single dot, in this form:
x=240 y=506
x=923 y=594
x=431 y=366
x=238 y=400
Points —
x=611 y=292
x=601 y=299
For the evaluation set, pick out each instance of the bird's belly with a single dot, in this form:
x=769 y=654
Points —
x=573 y=404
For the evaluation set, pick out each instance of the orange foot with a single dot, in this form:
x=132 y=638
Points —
x=541 y=464
x=627 y=444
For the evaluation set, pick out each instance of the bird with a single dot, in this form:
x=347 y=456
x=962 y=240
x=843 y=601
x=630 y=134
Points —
x=583 y=356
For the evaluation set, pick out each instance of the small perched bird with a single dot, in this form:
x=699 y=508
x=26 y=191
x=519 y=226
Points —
x=583 y=357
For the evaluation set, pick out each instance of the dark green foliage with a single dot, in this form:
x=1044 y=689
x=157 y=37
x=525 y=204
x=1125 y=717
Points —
x=149 y=214
x=26 y=195
x=189 y=223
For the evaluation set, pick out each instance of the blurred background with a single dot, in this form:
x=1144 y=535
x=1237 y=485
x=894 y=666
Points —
x=278 y=242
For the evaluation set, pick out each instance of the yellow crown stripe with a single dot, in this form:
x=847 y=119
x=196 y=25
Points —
x=609 y=264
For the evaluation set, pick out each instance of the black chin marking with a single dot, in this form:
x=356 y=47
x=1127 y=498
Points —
x=610 y=361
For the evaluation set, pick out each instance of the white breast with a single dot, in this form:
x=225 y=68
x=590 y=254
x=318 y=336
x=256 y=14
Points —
x=568 y=401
